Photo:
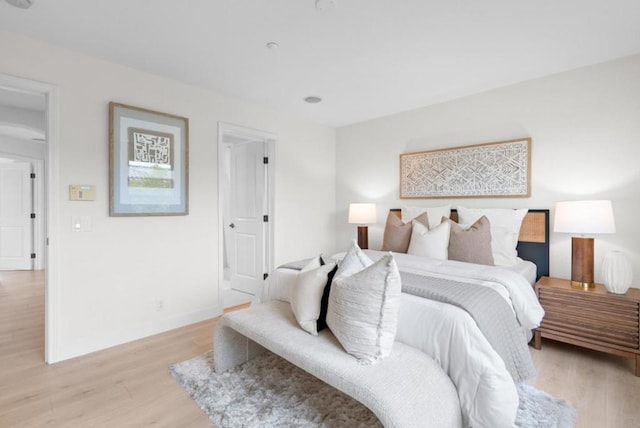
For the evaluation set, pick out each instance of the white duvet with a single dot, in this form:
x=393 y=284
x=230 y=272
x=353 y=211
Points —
x=448 y=334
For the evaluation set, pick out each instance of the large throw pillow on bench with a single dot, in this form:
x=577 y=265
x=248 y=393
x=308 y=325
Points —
x=306 y=296
x=353 y=261
x=324 y=302
x=363 y=309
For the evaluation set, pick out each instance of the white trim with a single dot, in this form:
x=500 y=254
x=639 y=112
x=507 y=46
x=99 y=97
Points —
x=52 y=331
x=220 y=215
x=52 y=308
x=271 y=233
x=40 y=208
x=271 y=140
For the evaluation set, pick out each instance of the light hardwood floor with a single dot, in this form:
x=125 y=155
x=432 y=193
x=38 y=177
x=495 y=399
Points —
x=602 y=388
x=125 y=386
x=130 y=385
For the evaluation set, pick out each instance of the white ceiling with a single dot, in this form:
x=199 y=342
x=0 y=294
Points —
x=365 y=58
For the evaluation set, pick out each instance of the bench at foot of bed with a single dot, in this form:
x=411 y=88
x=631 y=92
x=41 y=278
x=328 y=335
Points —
x=406 y=389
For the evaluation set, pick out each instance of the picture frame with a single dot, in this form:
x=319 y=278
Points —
x=148 y=162
x=491 y=170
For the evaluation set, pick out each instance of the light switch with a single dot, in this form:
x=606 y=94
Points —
x=81 y=223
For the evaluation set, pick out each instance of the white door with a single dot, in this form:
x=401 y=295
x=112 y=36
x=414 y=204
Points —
x=15 y=216
x=247 y=203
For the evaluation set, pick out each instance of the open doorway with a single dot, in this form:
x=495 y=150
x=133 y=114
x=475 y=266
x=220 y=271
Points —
x=246 y=189
x=28 y=136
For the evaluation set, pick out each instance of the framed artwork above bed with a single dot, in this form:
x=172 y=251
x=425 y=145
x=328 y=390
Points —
x=500 y=169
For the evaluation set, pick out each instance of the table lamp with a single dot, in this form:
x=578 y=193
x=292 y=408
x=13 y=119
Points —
x=362 y=214
x=583 y=217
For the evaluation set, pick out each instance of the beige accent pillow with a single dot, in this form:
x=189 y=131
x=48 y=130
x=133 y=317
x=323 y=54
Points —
x=397 y=234
x=306 y=296
x=472 y=245
x=505 y=230
x=363 y=310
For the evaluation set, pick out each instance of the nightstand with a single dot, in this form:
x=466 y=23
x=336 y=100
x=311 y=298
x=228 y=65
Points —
x=594 y=318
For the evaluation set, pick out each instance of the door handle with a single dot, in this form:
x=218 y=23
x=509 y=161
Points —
x=232 y=225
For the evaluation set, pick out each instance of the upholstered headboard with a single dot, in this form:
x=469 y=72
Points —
x=533 y=242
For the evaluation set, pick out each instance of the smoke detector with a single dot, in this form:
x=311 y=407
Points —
x=22 y=4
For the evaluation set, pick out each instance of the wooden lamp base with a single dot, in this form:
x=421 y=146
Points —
x=363 y=237
x=582 y=263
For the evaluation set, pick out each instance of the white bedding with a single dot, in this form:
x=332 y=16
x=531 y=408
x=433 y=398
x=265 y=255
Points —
x=525 y=268
x=450 y=335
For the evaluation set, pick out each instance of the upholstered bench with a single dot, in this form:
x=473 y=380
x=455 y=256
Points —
x=406 y=389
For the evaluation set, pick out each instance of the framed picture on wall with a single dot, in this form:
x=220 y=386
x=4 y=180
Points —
x=148 y=162
x=490 y=170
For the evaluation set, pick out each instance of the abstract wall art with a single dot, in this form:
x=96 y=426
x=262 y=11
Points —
x=148 y=162
x=500 y=169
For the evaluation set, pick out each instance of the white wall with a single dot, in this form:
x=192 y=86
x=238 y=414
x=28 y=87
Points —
x=109 y=278
x=585 y=126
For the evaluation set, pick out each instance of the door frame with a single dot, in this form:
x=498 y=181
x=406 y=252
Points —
x=271 y=140
x=52 y=296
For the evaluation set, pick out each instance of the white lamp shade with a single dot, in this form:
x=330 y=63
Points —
x=362 y=213
x=581 y=217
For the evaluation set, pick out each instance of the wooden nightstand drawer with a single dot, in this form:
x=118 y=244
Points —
x=590 y=318
x=614 y=322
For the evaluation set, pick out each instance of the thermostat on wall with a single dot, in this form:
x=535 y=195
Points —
x=82 y=192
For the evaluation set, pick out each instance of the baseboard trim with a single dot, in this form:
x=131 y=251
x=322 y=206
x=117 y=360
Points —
x=113 y=338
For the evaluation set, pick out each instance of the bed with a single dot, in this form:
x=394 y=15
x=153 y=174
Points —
x=485 y=385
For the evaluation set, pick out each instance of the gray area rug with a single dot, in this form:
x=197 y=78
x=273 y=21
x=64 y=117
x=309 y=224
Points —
x=268 y=391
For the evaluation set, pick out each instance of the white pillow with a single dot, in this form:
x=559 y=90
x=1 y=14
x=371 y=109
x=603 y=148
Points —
x=306 y=296
x=505 y=230
x=363 y=310
x=434 y=214
x=279 y=287
x=314 y=263
x=354 y=261
x=432 y=243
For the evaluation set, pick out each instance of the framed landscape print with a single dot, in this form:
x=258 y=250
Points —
x=148 y=162
x=501 y=169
